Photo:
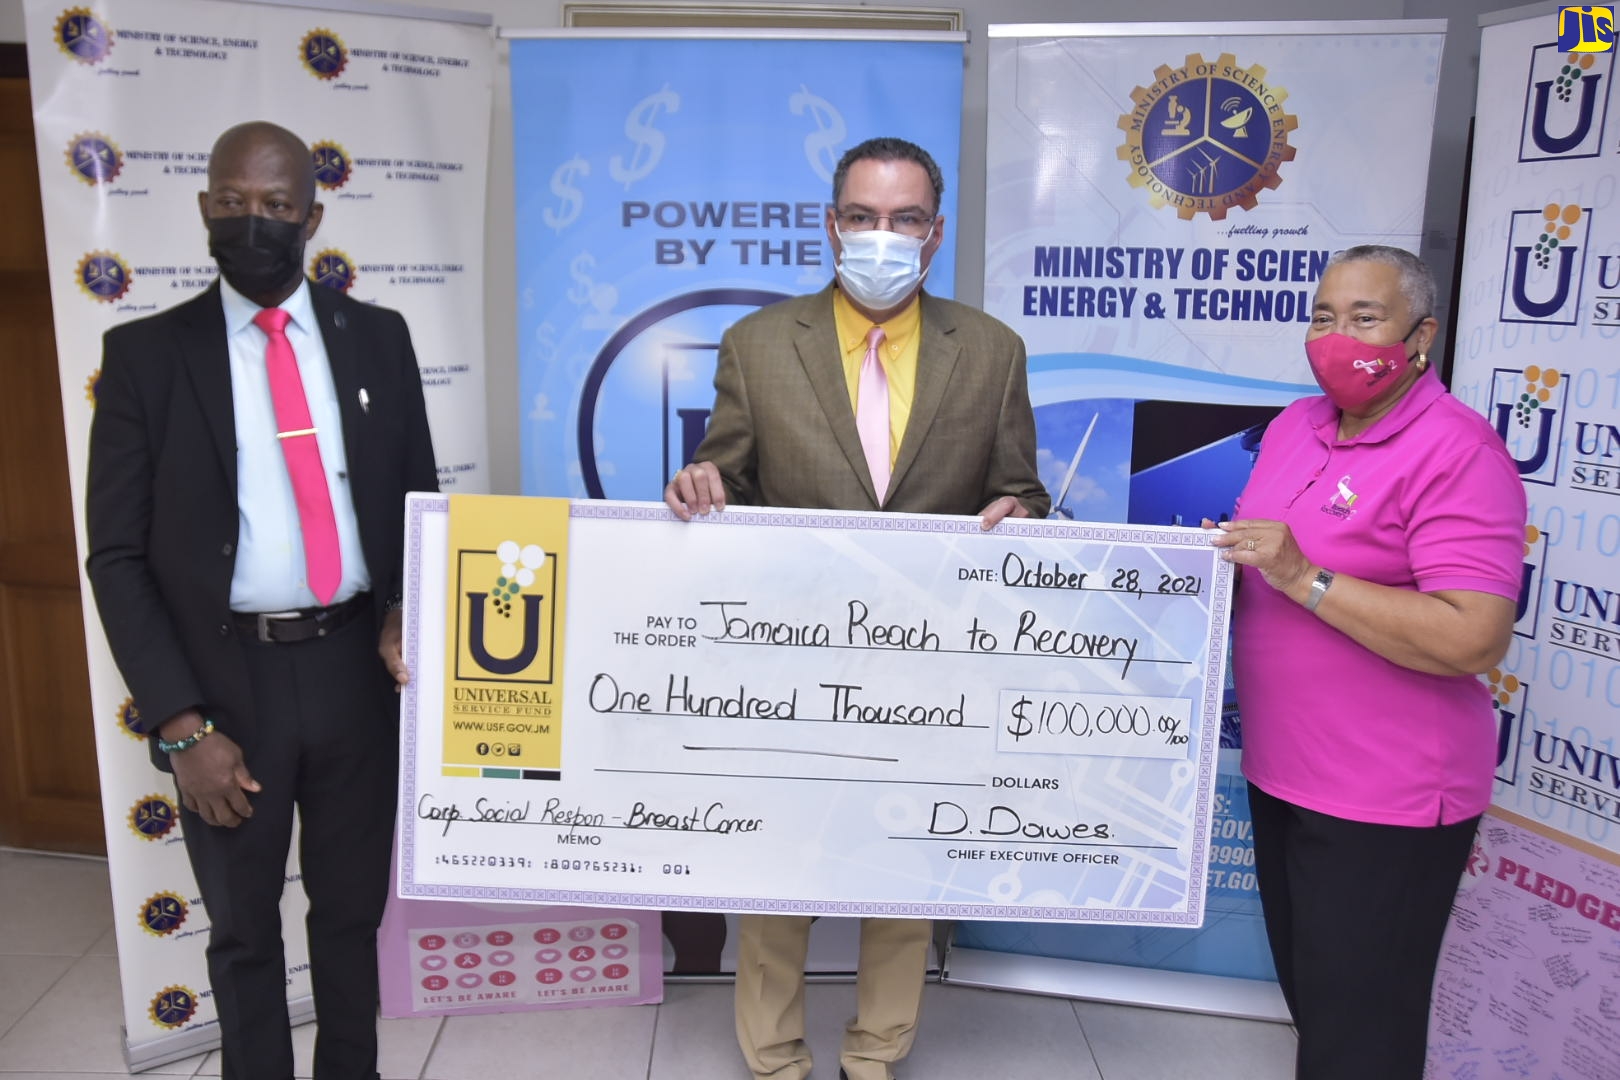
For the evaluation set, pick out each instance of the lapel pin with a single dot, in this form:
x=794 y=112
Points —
x=339 y=320
x=365 y=401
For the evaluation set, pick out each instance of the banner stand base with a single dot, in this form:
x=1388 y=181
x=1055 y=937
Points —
x=1216 y=995
x=193 y=1041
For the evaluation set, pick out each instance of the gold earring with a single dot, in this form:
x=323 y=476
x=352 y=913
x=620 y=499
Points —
x=1422 y=360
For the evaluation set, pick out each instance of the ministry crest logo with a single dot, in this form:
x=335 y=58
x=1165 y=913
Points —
x=333 y=166
x=1207 y=137
x=103 y=276
x=94 y=158
x=333 y=269
x=323 y=54
x=83 y=36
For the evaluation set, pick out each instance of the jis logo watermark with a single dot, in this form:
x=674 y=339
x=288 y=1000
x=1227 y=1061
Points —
x=1586 y=29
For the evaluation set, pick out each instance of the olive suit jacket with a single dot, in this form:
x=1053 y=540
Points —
x=161 y=507
x=782 y=432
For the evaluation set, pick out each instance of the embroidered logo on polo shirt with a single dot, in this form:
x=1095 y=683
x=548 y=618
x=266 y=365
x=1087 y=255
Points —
x=1343 y=502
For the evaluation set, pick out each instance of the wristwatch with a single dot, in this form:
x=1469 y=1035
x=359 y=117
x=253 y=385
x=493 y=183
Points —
x=1319 y=587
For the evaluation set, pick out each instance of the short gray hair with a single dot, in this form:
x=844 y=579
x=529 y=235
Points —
x=1417 y=281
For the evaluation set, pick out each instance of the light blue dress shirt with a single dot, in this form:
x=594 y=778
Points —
x=270 y=573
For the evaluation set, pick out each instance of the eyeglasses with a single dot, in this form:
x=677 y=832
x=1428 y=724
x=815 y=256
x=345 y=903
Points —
x=908 y=223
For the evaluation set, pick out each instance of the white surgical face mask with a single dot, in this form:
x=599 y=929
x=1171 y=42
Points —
x=879 y=269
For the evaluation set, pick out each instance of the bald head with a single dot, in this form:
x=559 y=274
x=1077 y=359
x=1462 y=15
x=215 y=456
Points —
x=262 y=150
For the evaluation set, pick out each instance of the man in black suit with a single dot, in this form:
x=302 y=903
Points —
x=250 y=641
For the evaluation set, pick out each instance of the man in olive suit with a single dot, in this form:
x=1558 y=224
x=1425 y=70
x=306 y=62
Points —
x=868 y=395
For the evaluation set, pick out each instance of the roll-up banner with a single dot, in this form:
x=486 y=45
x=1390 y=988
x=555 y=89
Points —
x=1528 y=979
x=129 y=96
x=1160 y=202
x=667 y=186
x=668 y=183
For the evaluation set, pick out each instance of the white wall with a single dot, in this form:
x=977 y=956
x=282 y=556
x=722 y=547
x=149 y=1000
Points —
x=1459 y=74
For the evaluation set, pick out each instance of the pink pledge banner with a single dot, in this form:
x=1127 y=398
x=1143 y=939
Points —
x=439 y=959
x=1529 y=977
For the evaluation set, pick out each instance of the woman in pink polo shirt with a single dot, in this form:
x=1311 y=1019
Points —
x=1380 y=539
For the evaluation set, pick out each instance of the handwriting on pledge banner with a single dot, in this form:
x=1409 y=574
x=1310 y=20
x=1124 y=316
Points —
x=779 y=710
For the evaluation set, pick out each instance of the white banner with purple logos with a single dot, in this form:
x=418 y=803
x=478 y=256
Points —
x=129 y=96
x=1527 y=975
x=1161 y=200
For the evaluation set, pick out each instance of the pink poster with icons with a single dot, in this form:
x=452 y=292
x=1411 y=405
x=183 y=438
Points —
x=438 y=958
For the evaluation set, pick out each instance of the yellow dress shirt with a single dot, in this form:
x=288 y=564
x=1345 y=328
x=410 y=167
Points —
x=902 y=336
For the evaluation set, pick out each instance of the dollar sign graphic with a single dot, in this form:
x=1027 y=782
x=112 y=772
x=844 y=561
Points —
x=581 y=293
x=562 y=186
x=648 y=139
x=819 y=145
x=1020 y=725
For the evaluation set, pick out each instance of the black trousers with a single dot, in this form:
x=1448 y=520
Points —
x=1355 y=913
x=326 y=741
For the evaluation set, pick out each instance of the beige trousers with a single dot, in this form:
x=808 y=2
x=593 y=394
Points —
x=770 y=995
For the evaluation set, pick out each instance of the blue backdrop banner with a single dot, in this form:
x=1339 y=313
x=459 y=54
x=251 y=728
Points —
x=666 y=187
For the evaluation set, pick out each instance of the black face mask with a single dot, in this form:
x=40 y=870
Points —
x=257 y=255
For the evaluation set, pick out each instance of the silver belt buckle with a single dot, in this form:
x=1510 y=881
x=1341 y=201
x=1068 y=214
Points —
x=265 y=618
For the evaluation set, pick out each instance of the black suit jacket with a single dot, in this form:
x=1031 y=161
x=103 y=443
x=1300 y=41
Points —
x=161 y=506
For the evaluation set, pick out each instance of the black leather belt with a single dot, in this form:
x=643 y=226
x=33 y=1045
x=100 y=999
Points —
x=304 y=624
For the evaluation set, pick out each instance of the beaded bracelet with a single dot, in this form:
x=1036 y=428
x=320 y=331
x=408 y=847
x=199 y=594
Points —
x=190 y=740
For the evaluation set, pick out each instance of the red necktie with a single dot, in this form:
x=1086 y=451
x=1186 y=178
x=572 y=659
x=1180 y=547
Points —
x=872 y=414
x=323 y=563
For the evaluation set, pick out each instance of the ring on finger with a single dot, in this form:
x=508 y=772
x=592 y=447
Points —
x=1252 y=545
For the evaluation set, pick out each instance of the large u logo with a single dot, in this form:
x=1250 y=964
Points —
x=1538 y=457
x=1506 y=732
x=1527 y=583
x=1541 y=309
x=1563 y=144
x=531 y=636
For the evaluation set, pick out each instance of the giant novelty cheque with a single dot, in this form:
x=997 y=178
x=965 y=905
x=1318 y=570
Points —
x=809 y=711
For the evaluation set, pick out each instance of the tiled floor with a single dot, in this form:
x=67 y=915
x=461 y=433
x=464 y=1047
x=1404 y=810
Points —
x=59 y=1017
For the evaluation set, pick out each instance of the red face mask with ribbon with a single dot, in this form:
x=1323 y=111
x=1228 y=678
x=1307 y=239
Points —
x=1351 y=372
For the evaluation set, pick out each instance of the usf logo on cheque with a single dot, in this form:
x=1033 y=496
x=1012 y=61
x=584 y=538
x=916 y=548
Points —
x=504 y=652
